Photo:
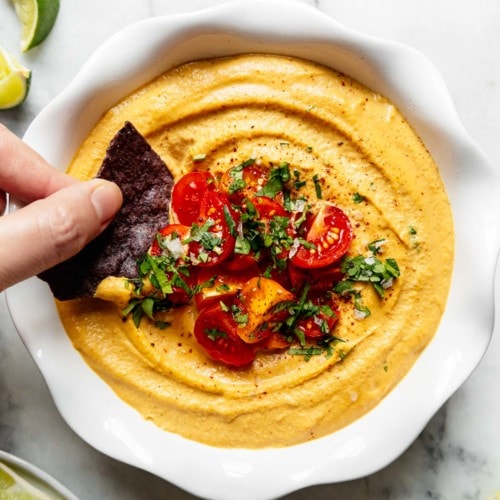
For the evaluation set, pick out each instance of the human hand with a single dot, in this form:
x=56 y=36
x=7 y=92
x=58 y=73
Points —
x=61 y=216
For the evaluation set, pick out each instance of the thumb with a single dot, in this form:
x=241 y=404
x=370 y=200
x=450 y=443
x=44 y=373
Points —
x=48 y=231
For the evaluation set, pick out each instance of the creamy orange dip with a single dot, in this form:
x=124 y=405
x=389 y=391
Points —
x=321 y=122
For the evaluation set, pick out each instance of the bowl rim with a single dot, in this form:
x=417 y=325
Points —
x=414 y=85
x=43 y=479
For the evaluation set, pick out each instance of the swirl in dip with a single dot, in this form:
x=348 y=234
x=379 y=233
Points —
x=371 y=164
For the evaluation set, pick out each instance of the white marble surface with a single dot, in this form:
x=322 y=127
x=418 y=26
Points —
x=457 y=456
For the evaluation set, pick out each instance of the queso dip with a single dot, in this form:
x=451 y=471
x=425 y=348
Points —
x=215 y=114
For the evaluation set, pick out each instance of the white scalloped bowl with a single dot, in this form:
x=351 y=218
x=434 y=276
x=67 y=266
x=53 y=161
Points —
x=133 y=57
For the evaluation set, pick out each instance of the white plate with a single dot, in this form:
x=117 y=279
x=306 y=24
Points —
x=36 y=477
x=142 y=51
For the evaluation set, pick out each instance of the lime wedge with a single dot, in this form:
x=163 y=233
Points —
x=15 y=487
x=14 y=81
x=37 y=18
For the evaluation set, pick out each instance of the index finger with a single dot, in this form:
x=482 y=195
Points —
x=24 y=173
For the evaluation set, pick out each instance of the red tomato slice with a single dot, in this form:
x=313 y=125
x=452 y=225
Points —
x=218 y=242
x=243 y=184
x=321 y=279
x=267 y=208
x=331 y=234
x=215 y=331
x=188 y=193
x=321 y=323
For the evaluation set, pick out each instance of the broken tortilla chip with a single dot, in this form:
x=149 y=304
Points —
x=146 y=185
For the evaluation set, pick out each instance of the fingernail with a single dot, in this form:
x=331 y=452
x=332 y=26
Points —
x=106 y=198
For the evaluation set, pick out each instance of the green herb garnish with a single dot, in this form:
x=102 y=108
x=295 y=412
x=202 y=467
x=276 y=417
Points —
x=317 y=186
x=278 y=177
x=213 y=334
x=307 y=352
x=358 y=198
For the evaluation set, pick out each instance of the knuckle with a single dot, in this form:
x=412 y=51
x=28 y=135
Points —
x=66 y=230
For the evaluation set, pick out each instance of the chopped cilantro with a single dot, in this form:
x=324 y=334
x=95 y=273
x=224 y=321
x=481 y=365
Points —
x=239 y=315
x=298 y=222
x=152 y=268
x=358 y=198
x=236 y=173
x=372 y=270
x=130 y=307
x=367 y=269
x=162 y=325
x=307 y=352
x=147 y=306
x=296 y=310
x=317 y=186
x=242 y=246
x=137 y=316
x=206 y=284
x=237 y=185
x=342 y=354
x=231 y=224
x=213 y=334
x=375 y=247
x=208 y=240
x=278 y=177
x=297 y=183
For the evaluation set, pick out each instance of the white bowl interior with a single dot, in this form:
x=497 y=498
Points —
x=136 y=55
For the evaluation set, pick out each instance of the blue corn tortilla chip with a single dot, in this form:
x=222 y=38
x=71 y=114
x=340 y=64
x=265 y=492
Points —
x=146 y=185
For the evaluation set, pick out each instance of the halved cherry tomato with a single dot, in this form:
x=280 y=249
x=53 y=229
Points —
x=322 y=322
x=243 y=182
x=215 y=331
x=215 y=240
x=257 y=300
x=267 y=329
x=266 y=208
x=221 y=284
x=320 y=280
x=188 y=193
x=331 y=234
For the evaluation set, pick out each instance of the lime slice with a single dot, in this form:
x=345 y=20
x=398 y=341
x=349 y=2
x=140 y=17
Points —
x=37 y=18
x=14 y=81
x=15 y=487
